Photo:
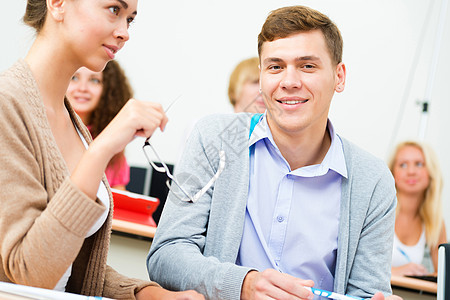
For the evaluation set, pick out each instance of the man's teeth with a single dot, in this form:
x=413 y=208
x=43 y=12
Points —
x=293 y=101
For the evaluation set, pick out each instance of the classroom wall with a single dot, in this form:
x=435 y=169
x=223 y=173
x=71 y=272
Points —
x=187 y=49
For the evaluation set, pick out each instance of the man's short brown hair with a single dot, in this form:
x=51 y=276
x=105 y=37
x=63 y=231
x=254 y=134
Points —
x=286 y=21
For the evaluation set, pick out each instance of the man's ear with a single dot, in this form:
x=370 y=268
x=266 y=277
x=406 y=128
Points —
x=341 y=73
x=56 y=9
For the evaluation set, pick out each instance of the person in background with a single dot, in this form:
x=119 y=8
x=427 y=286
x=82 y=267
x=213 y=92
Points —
x=97 y=97
x=296 y=205
x=243 y=88
x=243 y=92
x=55 y=204
x=419 y=225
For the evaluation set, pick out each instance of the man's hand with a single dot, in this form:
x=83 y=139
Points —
x=276 y=285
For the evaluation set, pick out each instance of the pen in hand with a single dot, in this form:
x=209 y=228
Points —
x=331 y=295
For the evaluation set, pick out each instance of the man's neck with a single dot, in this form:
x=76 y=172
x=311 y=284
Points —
x=304 y=148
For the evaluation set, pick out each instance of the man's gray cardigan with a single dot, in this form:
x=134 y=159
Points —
x=196 y=244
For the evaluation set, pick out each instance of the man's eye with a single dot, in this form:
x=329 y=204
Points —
x=114 y=9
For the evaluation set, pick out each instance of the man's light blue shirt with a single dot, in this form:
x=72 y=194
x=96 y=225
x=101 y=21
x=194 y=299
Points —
x=292 y=217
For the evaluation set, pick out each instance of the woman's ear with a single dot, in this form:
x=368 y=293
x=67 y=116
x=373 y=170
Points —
x=56 y=9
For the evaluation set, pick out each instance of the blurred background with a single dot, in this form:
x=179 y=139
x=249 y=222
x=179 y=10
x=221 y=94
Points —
x=188 y=49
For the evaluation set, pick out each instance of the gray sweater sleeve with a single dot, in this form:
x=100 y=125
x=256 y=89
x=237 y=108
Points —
x=178 y=259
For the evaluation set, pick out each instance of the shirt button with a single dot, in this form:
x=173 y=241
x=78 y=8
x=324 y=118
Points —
x=280 y=219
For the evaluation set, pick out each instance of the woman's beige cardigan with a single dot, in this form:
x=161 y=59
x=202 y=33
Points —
x=44 y=217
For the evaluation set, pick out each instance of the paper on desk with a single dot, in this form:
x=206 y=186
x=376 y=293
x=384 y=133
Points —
x=17 y=291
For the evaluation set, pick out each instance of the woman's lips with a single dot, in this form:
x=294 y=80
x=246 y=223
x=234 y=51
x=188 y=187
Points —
x=111 y=50
x=81 y=99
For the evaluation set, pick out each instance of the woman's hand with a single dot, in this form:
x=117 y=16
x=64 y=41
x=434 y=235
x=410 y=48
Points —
x=410 y=269
x=136 y=118
x=153 y=292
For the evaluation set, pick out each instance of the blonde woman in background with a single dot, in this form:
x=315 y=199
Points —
x=243 y=88
x=419 y=225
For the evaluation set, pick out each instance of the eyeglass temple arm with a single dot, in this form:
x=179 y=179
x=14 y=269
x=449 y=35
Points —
x=163 y=169
x=159 y=169
x=213 y=179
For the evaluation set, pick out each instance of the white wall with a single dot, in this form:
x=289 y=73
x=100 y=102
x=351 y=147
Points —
x=189 y=48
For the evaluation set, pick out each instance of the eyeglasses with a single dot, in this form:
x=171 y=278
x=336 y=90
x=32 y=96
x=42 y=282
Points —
x=164 y=169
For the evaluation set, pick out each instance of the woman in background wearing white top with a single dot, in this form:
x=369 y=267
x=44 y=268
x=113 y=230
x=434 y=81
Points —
x=419 y=225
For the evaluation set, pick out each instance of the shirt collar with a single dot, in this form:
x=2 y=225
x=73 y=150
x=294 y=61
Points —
x=333 y=160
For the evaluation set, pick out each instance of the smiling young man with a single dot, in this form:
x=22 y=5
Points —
x=296 y=205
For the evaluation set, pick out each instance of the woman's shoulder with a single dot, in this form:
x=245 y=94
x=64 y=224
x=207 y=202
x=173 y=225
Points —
x=17 y=85
x=16 y=73
x=19 y=93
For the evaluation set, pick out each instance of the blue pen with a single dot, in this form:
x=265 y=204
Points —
x=404 y=254
x=331 y=295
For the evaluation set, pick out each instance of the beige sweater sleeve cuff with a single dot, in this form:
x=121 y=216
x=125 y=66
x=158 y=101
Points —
x=76 y=211
x=118 y=286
